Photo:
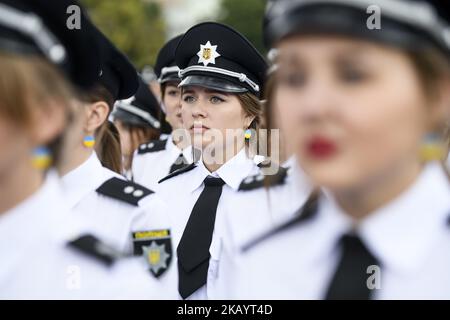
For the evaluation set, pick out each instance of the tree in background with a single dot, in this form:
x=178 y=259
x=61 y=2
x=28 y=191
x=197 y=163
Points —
x=136 y=27
x=246 y=16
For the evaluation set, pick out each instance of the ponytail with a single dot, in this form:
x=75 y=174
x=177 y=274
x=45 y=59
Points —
x=108 y=147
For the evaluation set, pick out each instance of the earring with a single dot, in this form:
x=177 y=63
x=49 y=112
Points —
x=41 y=158
x=89 y=141
x=432 y=148
x=248 y=134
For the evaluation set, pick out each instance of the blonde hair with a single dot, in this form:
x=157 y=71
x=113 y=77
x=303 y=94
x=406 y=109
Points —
x=31 y=82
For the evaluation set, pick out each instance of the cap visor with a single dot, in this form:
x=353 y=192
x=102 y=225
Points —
x=212 y=83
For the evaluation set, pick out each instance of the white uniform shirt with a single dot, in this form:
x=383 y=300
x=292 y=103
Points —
x=109 y=218
x=410 y=237
x=180 y=194
x=149 y=168
x=251 y=213
x=38 y=264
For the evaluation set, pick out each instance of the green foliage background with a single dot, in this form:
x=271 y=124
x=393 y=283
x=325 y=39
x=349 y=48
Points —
x=138 y=28
x=246 y=16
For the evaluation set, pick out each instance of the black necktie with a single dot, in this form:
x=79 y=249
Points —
x=350 y=278
x=193 y=249
x=181 y=162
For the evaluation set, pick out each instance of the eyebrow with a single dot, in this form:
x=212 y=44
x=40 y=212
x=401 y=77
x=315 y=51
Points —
x=216 y=92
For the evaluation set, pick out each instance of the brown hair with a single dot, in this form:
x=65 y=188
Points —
x=432 y=68
x=138 y=136
x=28 y=83
x=108 y=140
x=253 y=107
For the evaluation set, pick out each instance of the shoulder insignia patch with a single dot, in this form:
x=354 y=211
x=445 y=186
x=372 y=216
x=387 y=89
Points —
x=92 y=247
x=178 y=172
x=124 y=190
x=152 y=146
x=156 y=247
x=257 y=181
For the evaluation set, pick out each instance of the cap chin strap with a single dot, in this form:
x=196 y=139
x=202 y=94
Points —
x=419 y=13
x=136 y=111
x=241 y=76
x=31 y=25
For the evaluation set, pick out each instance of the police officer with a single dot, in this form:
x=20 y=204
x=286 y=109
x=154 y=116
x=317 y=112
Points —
x=102 y=197
x=263 y=200
x=136 y=119
x=39 y=261
x=222 y=74
x=155 y=159
x=362 y=115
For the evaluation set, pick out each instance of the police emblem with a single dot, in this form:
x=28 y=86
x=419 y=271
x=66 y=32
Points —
x=155 y=246
x=207 y=54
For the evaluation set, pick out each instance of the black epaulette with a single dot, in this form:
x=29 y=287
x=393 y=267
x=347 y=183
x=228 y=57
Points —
x=178 y=172
x=92 y=247
x=152 y=146
x=257 y=181
x=124 y=190
x=306 y=212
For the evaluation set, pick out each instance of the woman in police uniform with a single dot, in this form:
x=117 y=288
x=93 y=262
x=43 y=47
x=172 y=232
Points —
x=39 y=258
x=155 y=159
x=100 y=196
x=262 y=201
x=136 y=119
x=366 y=105
x=222 y=74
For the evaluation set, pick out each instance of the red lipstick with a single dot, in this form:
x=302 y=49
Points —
x=320 y=147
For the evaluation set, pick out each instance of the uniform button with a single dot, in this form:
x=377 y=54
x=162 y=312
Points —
x=128 y=189
x=138 y=193
x=150 y=145
x=143 y=147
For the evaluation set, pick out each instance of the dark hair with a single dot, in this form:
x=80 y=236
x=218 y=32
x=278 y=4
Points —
x=166 y=128
x=138 y=136
x=107 y=136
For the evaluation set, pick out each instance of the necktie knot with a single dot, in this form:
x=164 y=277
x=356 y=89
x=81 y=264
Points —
x=351 y=242
x=351 y=275
x=213 y=182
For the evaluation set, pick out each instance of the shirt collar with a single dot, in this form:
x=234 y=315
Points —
x=175 y=152
x=232 y=172
x=82 y=180
x=399 y=234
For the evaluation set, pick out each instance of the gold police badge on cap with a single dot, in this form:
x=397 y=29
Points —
x=155 y=246
x=207 y=54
